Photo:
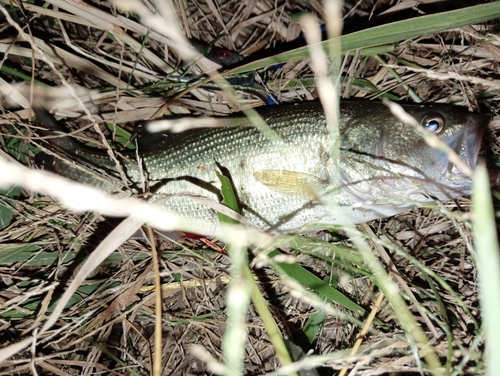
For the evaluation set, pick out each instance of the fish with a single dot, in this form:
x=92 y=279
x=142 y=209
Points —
x=382 y=167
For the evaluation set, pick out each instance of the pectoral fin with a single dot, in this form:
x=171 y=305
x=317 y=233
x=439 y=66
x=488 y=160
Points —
x=291 y=183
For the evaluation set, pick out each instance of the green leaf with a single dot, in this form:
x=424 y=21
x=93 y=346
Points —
x=32 y=256
x=22 y=76
x=93 y=287
x=313 y=325
x=228 y=198
x=34 y=303
x=335 y=254
x=309 y=280
x=122 y=136
x=6 y=211
x=12 y=253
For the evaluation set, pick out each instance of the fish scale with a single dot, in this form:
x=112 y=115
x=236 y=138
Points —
x=383 y=167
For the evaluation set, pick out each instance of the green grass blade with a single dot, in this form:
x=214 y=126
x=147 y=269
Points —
x=122 y=136
x=315 y=322
x=6 y=210
x=332 y=253
x=389 y=33
x=241 y=288
x=488 y=265
x=22 y=76
x=114 y=358
x=30 y=255
x=313 y=325
x=16 y=252
x=309 y=280
x=228 y=198
x=239 y=291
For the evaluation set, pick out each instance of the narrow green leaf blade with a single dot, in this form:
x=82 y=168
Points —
x=488 y=265
x=309 y=280
x=6 y=212
x=389 y=33
x=229 y=198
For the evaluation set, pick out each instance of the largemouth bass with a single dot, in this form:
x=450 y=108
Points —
x=384 y=166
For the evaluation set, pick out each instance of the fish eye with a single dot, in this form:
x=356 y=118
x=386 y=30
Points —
x=434 y=123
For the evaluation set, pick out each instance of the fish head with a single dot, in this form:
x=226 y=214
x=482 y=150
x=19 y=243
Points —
x=392 y=159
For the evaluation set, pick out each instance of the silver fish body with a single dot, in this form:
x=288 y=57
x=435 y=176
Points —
x=383 y=167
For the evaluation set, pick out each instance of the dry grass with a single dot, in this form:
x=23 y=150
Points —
x=109 y=325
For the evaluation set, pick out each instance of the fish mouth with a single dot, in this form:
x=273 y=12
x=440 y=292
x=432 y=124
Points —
x=474 y=132
x=467 y=143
